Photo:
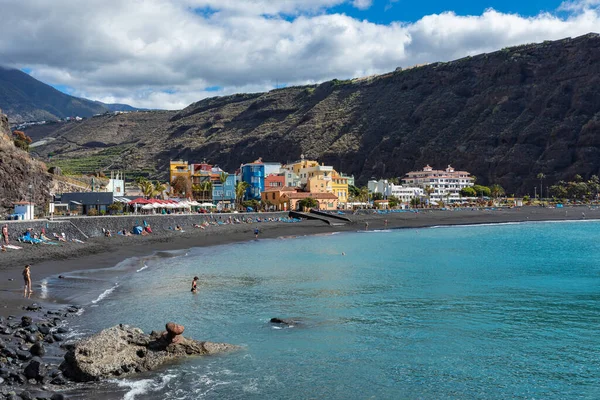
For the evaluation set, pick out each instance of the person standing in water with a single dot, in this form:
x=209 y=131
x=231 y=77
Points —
x=27 y=279
x=195 y=285
x=256 y=233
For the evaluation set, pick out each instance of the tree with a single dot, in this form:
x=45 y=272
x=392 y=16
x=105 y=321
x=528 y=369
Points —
x=145 y=186
x=482 y=190
x=240 y=190
x=594 y=185
x=415 y=202
x=428 y=190
x=353 y=192
x=394 y=181
x=363 y=194
x=468 y=192
x=21 y=140
x=158 y=189
x=541 y=177
x=377 y=196
x=308 y=202
x=197 y=190
x=223 y=179
x=496 y=191
x=393 y=201
x=181 y=185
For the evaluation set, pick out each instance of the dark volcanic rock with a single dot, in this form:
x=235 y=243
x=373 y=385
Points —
x=26 y=321
x=38 y=349
x=35 y=369
x=123 y=350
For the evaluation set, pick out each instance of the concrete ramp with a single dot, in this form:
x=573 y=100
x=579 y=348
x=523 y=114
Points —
x=331 y=216
x=312 y=216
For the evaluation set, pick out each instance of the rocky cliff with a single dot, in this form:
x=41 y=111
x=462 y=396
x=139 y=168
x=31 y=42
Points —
x=504 y=116
x=17 y=171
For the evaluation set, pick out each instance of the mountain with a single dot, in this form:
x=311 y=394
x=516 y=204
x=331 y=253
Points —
x=24 y=98
x=504 y=116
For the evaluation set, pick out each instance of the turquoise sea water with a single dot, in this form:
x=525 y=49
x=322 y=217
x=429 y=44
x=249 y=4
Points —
x=475 y=312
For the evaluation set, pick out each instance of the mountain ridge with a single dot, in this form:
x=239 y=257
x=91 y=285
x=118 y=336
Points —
x=26 y=99
x=504 y=116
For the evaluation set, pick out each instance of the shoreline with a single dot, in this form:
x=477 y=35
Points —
x=101 y=252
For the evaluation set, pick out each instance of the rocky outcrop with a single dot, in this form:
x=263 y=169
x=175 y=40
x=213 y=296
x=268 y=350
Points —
x=124 y=350
x=17 y=171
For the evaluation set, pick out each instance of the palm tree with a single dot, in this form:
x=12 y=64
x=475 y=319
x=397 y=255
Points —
x=541 y=177
x=223 y=178
x=428 y=190
x=240 y=190
x=496 y=191
x=158 y=189
x=196 y=188
x=146 y=187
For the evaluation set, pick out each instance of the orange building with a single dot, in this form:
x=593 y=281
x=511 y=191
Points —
x=276 y=197
x=327 y=201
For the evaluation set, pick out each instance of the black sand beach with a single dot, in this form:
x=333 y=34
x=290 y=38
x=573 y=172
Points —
x=101 y=252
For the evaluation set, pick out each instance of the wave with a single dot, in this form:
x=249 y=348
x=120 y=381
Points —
x=143 y=268
x=143 y=386
x=105 y=293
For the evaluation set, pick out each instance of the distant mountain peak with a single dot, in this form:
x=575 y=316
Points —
x=24 y=98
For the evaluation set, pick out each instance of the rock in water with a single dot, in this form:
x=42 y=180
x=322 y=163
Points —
x=124 y=350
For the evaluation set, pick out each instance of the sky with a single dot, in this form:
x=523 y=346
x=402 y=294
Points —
x=168 y=54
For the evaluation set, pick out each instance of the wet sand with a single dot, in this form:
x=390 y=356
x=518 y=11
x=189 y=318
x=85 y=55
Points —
x=103 y=252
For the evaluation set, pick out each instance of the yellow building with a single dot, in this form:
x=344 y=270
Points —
x=339 y=185
x=179 y=168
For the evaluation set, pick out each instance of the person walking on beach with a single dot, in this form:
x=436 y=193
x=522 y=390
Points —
x=195 y=285
x=27 y=279
x=366 y=226
x=256 y=233
x=5 y=234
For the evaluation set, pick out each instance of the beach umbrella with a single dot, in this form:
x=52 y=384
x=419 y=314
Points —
x=207 y=205
x=147 y=207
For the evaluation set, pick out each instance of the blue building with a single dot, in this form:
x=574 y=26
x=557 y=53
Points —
x=224 y=193
x=254 y=175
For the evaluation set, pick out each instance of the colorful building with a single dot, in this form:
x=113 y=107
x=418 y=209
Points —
x=327 y=201
x=339 y=185
x=254 y=175
x=275 y=180
x=276 y=197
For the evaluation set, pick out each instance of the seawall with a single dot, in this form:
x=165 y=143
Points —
x=83 y=227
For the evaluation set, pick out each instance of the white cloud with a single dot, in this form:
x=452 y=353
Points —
x=578 y=5
x=165 y=54
x=362 y=4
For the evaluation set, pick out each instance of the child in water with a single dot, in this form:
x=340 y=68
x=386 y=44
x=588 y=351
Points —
x=195 y=285
x=256 y=233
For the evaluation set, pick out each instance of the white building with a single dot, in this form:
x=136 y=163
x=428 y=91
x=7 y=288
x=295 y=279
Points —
x=25 y=210
x=444 y=184
x=116 y=185
x=404 y=193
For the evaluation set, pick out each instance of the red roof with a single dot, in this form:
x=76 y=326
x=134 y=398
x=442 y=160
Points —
x=318 y=196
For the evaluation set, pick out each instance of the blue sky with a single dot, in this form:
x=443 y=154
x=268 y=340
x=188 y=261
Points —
x=386 y=11
x=170 y=53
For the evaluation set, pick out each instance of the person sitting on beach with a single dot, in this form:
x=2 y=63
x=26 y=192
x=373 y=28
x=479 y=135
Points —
x=178 y=228
x=5 y=233
x=195 y=284
x=27 y=279
x=148 y=229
